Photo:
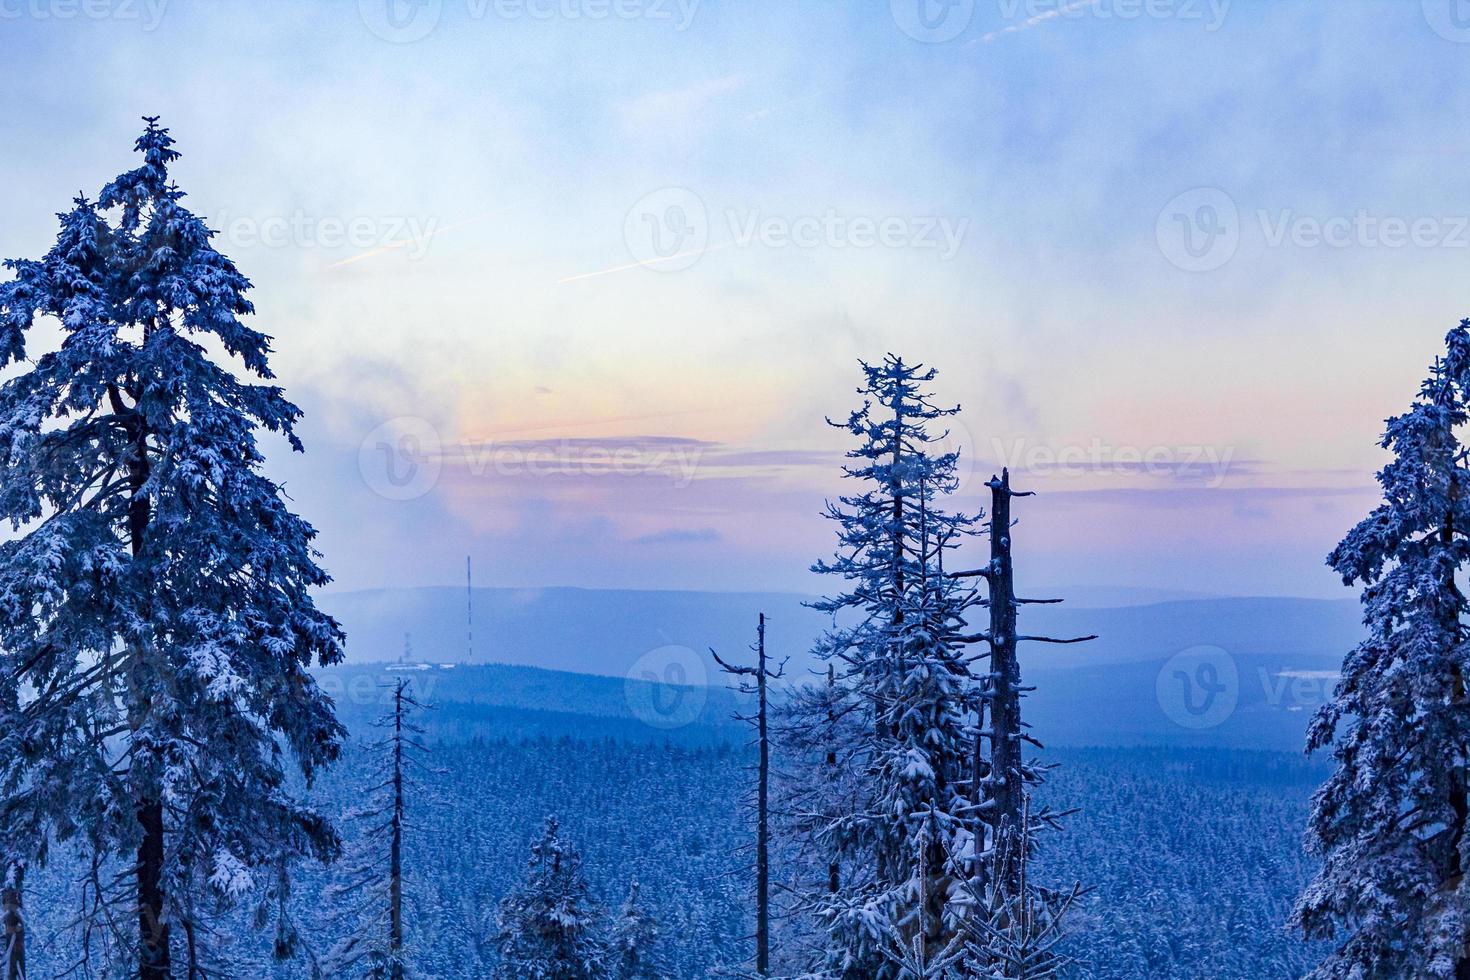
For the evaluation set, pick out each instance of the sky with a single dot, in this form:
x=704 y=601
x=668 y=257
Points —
x=571 y=286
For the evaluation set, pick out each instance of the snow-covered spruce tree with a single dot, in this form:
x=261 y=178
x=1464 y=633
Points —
x=156 y=620
x=550 y=928
x=370 y=886
x=633 y=948
x=1390 y=823
x=904 y=674
x=813 y=786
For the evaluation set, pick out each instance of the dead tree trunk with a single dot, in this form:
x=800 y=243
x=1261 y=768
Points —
x=395 y=858
x=760 y=675
x=1003 y=777
x=763 y=819
x=834 y=869
x=1005 y=674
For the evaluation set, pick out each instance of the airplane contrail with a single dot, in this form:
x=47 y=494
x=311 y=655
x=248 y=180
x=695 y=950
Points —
x=1037 y=21
x=645 y=262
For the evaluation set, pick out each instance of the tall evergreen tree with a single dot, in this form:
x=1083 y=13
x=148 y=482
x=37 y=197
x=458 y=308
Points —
x=371 y=884
x=1390 y=823
x=813 y=787
x=550 y=926
x=902 y=668
x=155 y=612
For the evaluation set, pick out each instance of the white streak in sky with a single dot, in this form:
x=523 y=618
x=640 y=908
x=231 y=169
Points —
x=1038 y=20
x=644 y=263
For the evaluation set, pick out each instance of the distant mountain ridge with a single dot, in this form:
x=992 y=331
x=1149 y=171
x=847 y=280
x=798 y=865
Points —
x=615 y=632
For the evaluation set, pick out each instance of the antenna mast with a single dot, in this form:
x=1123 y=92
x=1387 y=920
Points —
x=469 y=611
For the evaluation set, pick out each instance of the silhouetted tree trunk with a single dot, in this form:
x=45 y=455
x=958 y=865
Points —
x=1001 y=780
x=12 y=908
x=834 y=869
x=761 y=675
x=395 y=859
x=1005 y=671
x=153 y=930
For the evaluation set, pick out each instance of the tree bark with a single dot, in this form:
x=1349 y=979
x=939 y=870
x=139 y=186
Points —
x=834 y=873
x=153 y=928
x=1005 y=709
x=11 y=899
x=1459 y=792
x=763 y=824
x=395 y=860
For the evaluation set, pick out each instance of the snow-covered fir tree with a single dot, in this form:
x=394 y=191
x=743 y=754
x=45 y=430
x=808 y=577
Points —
x=814 y=786
x=634 y=947
x=370 y=887
x=155 y=612
x=906 y=678
x=550 y=927
x=1390 y=823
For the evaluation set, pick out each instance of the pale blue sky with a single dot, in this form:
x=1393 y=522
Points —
x=458 y=229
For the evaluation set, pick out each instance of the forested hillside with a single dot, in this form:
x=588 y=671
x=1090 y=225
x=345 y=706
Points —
x=1202 y=895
